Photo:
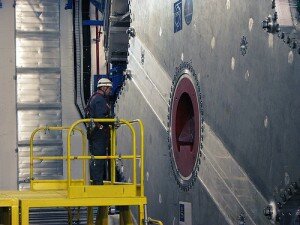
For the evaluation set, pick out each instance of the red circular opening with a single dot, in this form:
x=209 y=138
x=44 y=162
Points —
x=185 y=125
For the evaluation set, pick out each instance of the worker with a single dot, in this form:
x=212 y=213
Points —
x=99 y=139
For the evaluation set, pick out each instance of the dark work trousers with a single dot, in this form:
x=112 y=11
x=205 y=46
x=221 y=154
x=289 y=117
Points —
x=98 y=147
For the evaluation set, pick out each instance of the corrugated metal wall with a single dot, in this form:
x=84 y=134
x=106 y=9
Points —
x=38 y=84
x=8 y=156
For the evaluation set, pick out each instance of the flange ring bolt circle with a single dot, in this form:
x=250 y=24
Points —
x=185 y=126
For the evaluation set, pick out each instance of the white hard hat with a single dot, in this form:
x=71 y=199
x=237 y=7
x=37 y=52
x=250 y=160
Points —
x=104 y=82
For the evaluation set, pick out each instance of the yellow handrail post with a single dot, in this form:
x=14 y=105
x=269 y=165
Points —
x=72 y=127
x=142 y=156
x=141 y=125
x=69 y=154
x=31 y=155
x=112 y=177
x=153 y=221
x=113 y=157
x=84 y=152
x=133 y=147
x=114 y=154
x=32 y=158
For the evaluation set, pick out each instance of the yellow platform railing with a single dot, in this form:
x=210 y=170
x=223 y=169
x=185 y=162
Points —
x=36 y=184
x=54 y=184
x=78 y=191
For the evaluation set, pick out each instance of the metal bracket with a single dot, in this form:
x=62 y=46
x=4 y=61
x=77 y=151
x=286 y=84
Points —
x=241 y=219
x=244 y=45
x=117 y=123
x=287 y=205
x=128 y=74
x=119 y=18
x=142 y=56
x=46 y=129
x=131 y=32
x=270 y=24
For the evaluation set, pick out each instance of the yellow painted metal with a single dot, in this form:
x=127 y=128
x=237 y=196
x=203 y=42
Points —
x=53 y=184
x=72 y=157
x=153 y=221
x=141 y=126
x=141 y=214
x=84 y=152
x=77 y=193
x=47 y=128
x=47 y=201
x=9 y=204
x=113 y=156
x=24 y=213
x=59 y=198
x=102 y=191
x=141 y=156
x=70 y=130
x=113 y=153
x=90 y=216
x=15 y=214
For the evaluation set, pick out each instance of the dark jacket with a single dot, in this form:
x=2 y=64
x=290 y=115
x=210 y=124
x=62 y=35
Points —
x=100 y=106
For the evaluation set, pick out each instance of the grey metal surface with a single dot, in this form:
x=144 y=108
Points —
x=31 y=119
x=250 y=105
x=38 y=84
x=38 y=88
x=162 y=192
x=116 y=38
x=218 y=170
x=152 y=80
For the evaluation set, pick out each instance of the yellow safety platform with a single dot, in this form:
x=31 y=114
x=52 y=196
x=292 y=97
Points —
x=15 y=205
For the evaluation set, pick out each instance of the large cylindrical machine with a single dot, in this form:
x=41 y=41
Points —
x=219 y=98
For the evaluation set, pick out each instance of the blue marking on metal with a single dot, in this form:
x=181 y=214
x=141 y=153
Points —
x=99 y=5
x=1 y=4
x=92 y=22
x=69 y=5
x=177 y=16
x=115 y=75
x=181 y=212
x=188 y=11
